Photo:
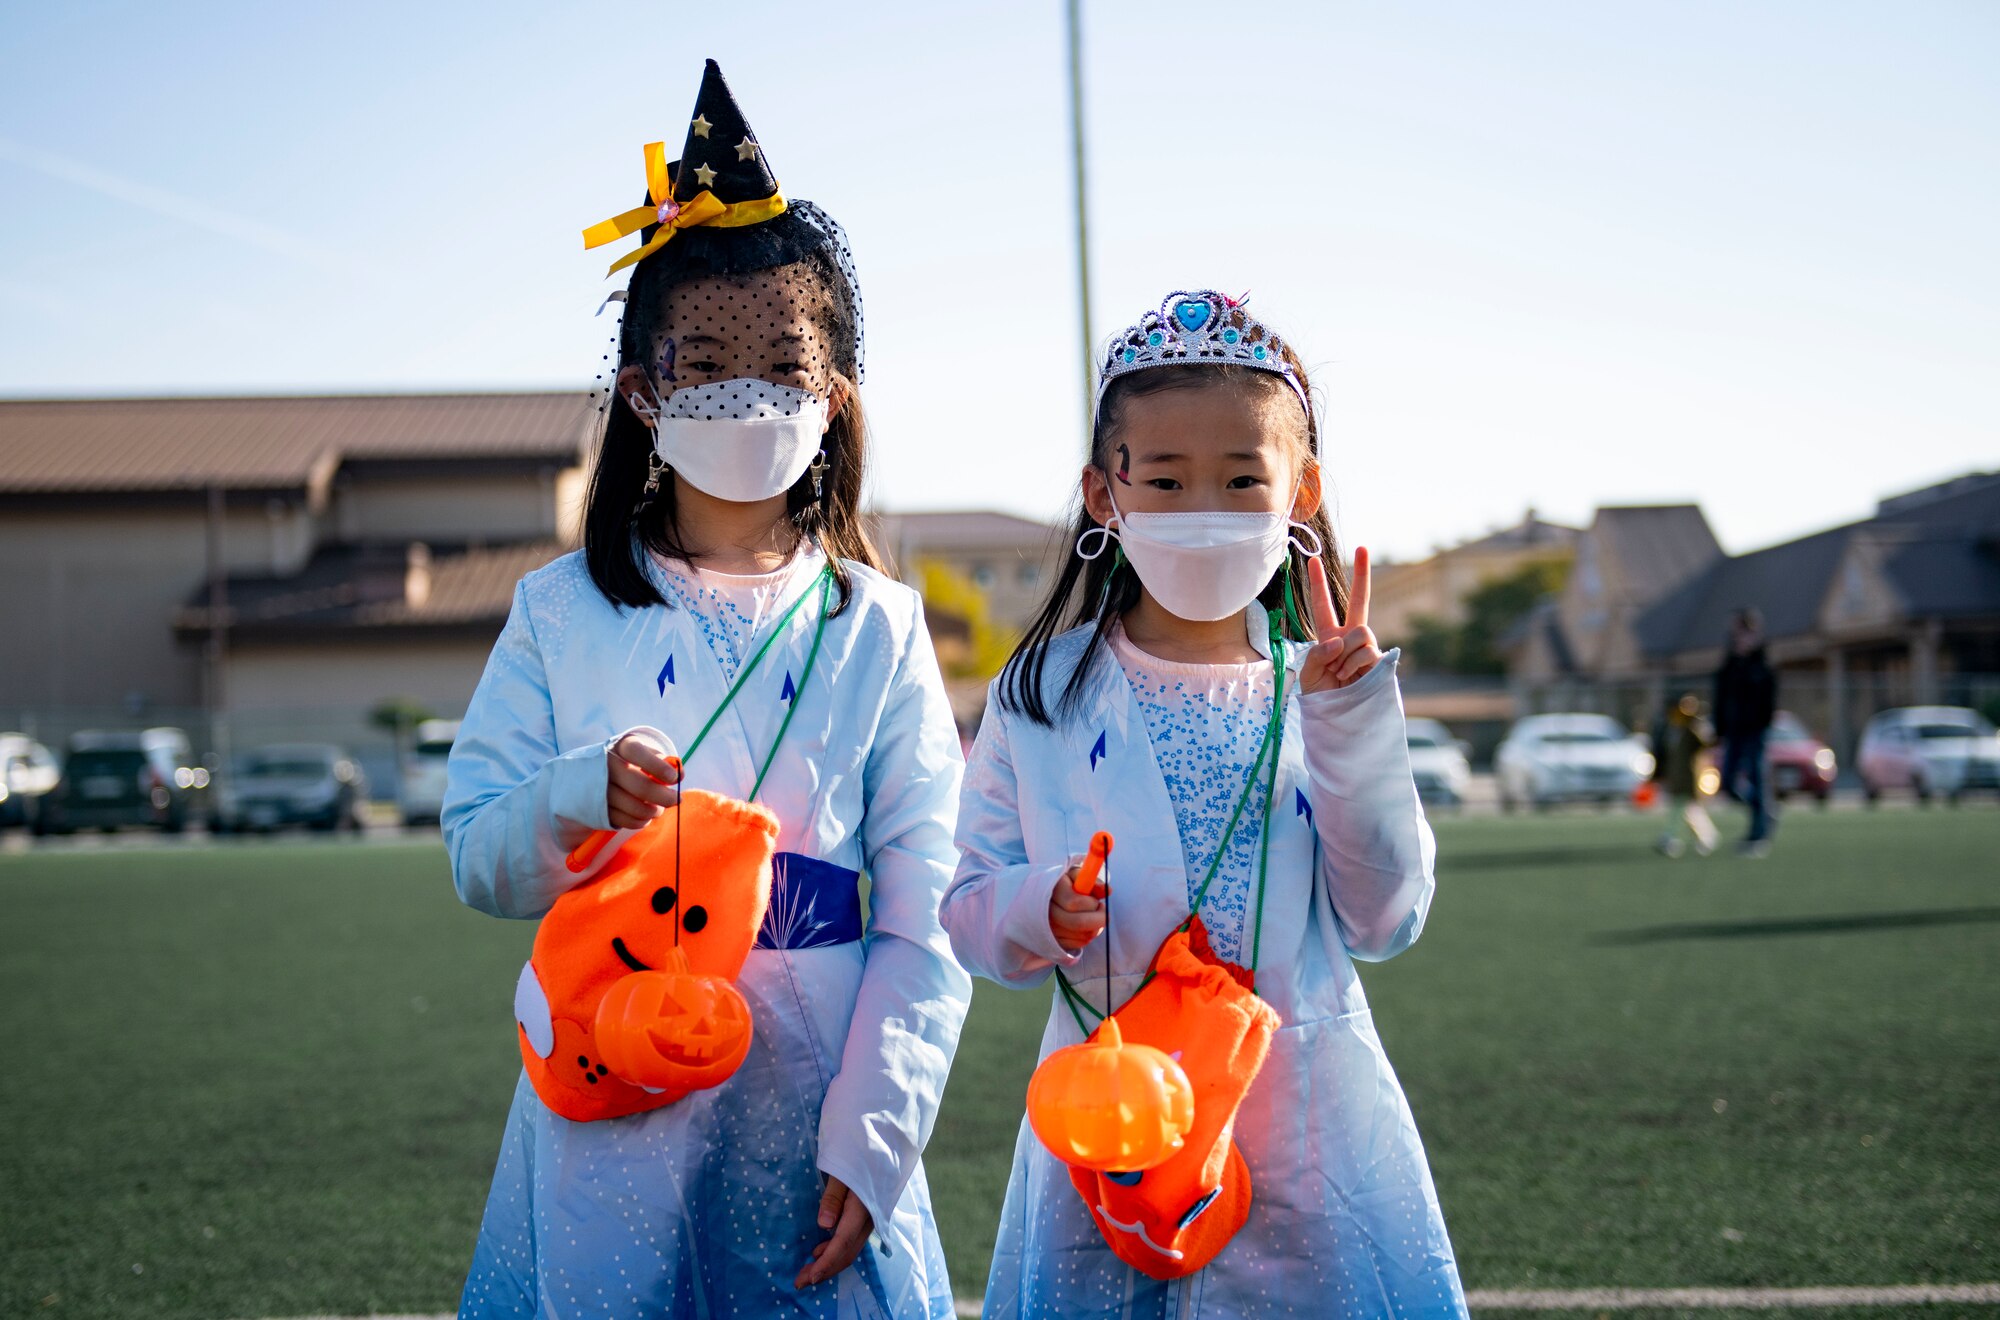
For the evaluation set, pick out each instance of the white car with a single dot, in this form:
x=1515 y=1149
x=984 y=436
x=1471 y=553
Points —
x=421 y=793
x=1569 y=758
x=28 y=773
x=1437 y=763
x=1929 y=750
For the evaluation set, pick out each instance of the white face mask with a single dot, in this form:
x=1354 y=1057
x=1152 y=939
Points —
x=744 y=440
x=1201 y=566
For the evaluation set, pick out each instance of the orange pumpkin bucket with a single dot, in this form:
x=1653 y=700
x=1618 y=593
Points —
x=1170 y=1219
x=1105 y=1104
x=626 y=1003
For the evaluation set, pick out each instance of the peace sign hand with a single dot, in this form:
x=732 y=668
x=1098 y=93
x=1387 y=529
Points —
x=1345 y=651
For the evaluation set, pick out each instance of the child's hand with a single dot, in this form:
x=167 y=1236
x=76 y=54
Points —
x=1345 y=651
x=842 y=1214
x=644 y=781
x=1075 y=919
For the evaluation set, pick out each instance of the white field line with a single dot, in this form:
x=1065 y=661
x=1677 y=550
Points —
x=1626 y=1299
x=1743 y=1299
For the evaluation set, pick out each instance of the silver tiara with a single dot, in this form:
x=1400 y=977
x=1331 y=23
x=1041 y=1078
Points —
x=1195 y=329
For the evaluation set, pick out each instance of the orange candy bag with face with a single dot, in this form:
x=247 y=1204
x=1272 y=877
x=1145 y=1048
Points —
x=607 y=960
x=1172 y=1219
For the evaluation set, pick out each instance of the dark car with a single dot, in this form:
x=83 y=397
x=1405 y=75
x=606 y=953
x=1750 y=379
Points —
x=149 y=777
x=315 y=784
x=1800 y=763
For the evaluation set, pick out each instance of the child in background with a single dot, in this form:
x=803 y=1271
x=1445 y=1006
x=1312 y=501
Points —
x=727 y=604
x=1683 y=736
x=1252 y=769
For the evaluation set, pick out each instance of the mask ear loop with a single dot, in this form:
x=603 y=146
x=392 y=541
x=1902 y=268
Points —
x=1107 y=534
x=1294 y=622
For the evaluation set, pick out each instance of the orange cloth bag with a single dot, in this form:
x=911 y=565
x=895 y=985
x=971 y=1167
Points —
x=1172 y=1219
x=691 y=885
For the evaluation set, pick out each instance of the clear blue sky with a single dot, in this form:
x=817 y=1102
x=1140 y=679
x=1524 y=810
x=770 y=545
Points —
x=1548 y=253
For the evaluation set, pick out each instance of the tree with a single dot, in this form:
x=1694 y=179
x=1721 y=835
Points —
x=1491 y=610
x=399 y=715
x=958 y=595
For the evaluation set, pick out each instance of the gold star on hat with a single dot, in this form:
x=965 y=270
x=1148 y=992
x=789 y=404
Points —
x=746 y=149
x=704 y=176
x=701 y=126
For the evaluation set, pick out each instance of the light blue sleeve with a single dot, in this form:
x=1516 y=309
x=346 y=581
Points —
x=881 y=1104
x=515 y=803
x=1377 y=853
x=997 y=908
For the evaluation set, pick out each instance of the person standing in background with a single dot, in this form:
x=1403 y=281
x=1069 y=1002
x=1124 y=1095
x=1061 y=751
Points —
x=1746 y=697
x=1681 y=738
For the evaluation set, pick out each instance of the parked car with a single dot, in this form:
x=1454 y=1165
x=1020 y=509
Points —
x=28 y=773
x=1929 y=750
x=421 y=792
x=1798 y=762
x=109 y=779
x=314 y=784
x=1437 y=762
x=1547 y=759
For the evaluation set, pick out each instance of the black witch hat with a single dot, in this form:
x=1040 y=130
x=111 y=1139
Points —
x=721 y=189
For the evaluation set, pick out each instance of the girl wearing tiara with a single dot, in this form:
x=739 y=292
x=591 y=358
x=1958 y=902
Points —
x=727 y=613
x=1202 y=685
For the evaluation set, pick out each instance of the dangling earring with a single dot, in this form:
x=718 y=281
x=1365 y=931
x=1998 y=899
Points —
x=656 y=468
x=818 y=471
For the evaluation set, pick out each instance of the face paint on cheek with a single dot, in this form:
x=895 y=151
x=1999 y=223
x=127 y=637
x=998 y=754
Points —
x=667 y=361
x=1124 y=465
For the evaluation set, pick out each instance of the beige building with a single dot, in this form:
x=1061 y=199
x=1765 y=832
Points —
x=1011 y=560
x=363 y=547
x=360 y=548
x=1901 y=608
x=1438 y=586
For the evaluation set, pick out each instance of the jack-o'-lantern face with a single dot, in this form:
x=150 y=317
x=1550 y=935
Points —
x=1109 y=1104
x=680 y=899
x=673 y=1030
x=1171 y=1219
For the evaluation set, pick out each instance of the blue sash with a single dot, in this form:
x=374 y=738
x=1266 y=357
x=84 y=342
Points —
x=813 y=904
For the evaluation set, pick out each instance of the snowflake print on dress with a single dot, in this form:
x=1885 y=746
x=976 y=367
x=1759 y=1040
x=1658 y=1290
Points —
x=732 y=608
x=1206 y=723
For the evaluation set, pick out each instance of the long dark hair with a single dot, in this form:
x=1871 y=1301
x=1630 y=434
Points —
x=614 y=508
x=1103 y=588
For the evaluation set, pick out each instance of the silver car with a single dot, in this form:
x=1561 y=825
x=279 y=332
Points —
x=1548 y=759
x=1437 y=763
x=1929 y=750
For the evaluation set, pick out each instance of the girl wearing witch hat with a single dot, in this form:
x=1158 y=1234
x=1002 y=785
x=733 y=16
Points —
x=1195 y=688
x=726 y=614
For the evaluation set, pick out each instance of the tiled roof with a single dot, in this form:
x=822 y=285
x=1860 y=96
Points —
x=970 y=527
x=364 y=587
x=1942 y=556
x=1659 y=546
x=271 y=442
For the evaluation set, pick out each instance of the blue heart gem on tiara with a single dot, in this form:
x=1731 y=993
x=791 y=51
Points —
x=1192 y=314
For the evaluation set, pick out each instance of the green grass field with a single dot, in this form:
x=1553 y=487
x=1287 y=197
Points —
x=268 y=1080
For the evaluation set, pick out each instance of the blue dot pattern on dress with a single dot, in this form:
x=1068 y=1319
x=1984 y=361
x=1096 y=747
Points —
x=1206 y=723
x=733 y=609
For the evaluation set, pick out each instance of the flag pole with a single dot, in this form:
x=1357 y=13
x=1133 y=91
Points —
x=1082 y=213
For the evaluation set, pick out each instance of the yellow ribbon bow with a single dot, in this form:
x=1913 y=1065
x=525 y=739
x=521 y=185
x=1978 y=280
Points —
x=704 y=208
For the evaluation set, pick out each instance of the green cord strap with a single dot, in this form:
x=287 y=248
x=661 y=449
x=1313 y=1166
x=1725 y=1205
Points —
x=798 y=689
x=825 y=584
x=1274 y=733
